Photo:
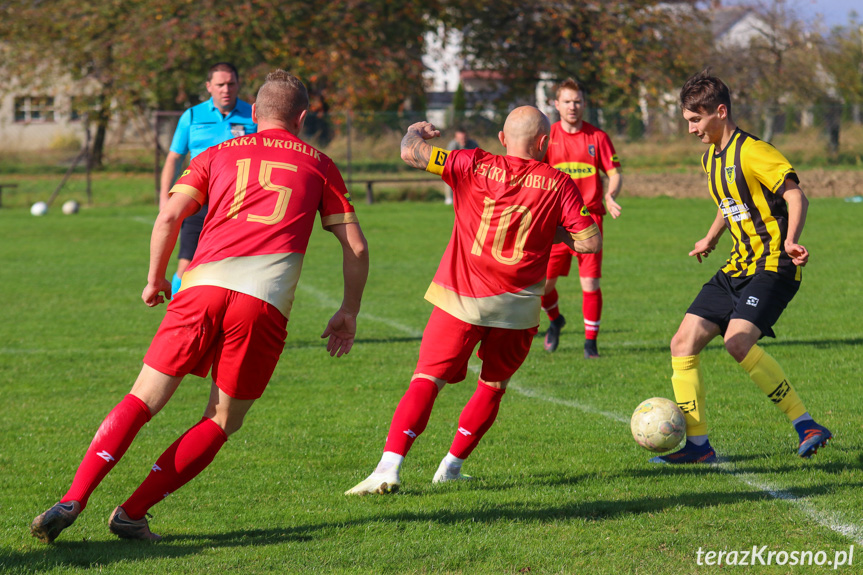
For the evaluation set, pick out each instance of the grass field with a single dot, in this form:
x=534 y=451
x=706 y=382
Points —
x=561 y=486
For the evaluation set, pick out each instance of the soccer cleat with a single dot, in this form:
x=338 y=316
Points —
x=125 y=527
x=552 y=336
x=444 y=473
x=812 y=436
x=689 y=453
x=48 y=526
x=379 y=483
x=590 y=351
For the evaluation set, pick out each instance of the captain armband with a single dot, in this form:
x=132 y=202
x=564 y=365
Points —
x=437 y=160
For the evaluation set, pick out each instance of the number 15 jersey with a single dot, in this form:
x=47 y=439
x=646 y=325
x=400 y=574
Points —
x=264 y=191
x=507 y=211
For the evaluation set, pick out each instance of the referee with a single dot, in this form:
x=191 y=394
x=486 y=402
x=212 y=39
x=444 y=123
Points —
x=210 y=123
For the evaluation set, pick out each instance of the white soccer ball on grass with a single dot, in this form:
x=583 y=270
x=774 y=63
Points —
x=658 y=424
x=39 y=209
x=71 y=207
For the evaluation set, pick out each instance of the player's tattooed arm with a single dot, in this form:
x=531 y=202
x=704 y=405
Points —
x=416 y=152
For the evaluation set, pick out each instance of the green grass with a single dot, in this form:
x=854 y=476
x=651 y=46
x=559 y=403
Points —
x=561 y=486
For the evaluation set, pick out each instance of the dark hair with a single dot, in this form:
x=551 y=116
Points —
x=568 y=84
x=282 y=97
x=704 y=92
x=223 y=67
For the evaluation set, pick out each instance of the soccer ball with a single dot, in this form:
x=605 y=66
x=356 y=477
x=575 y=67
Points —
x=39 y=209
x=658 y=424
x=71 y=207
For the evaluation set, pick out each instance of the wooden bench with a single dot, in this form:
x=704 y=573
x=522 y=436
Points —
x=2 y=186
x=370 y=193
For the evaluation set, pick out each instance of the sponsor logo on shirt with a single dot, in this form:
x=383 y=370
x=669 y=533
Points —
x=615 y=159
x=734 y=210
x=584 y=211
x=186 y=173
x=577 y=170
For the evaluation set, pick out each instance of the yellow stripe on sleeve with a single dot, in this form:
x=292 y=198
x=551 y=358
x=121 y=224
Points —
x=188 y=190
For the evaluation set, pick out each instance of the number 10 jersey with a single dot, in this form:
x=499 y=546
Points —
x=507 y=211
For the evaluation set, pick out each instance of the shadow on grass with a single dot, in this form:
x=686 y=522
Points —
x=97 y=554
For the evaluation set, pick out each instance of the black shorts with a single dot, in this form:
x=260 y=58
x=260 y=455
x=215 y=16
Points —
x=189 y=234
x=759 y=299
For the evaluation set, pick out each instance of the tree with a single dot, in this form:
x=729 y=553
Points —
x=136 y=56
x=621 y=50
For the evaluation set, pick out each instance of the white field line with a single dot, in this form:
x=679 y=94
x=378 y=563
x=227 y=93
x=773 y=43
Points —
x=142 y=220
x=831 y=520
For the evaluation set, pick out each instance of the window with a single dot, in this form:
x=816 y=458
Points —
x=34 y=109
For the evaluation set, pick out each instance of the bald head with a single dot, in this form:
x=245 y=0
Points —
x=525 y=133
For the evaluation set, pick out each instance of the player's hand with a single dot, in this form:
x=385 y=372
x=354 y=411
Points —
x=340 y=330
x=702 y=249
x=426 y=130
x=799 y=254
x=152 y=293
x=612 y=207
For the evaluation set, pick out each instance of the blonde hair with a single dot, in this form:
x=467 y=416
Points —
x=282 y=97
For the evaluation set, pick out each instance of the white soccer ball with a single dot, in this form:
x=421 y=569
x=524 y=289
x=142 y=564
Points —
x=70 y=207
x=658 y=424
x=39 y=209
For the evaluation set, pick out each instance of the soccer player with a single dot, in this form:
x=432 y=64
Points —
x=761 y=204
x=220 y=118
x=264 y=191
x=487 y=288
x=581 y=150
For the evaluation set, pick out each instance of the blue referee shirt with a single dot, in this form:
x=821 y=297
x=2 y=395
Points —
x=204 y=125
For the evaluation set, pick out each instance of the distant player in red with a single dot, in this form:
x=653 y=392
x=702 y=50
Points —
x=508 y=211
x=264 y=191
x=582 y=151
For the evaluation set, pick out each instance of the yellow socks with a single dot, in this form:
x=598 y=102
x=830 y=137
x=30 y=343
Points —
x=768 y=375
x=689 y=392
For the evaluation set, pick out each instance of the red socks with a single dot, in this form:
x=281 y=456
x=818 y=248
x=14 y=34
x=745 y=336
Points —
x=476 y=418
x=179 y=464
x=186 y=458
x=111 y=441
x=592 y=310
x=411 y=415
x=549 y=305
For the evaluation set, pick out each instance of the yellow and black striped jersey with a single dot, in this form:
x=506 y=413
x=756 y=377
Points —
x=747 y=181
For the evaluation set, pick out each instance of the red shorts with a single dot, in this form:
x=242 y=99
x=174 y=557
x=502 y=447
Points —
x=240 y=336
x=560 y=262
x=448 y=342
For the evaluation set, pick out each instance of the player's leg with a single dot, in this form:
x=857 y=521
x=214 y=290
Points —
x=589 y=273
x=761 y=302
x=502 y=352
x=591 y=305
x=692 y=336
x=247 y=351
x=559 y=264
x=184 y=460
x=149 y=394
x=444 y=353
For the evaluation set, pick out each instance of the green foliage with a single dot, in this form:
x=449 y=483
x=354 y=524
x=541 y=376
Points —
x=561 y=487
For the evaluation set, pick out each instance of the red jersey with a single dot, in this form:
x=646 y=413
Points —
x=507 y=211
x=263 y=191
x=582 y=155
